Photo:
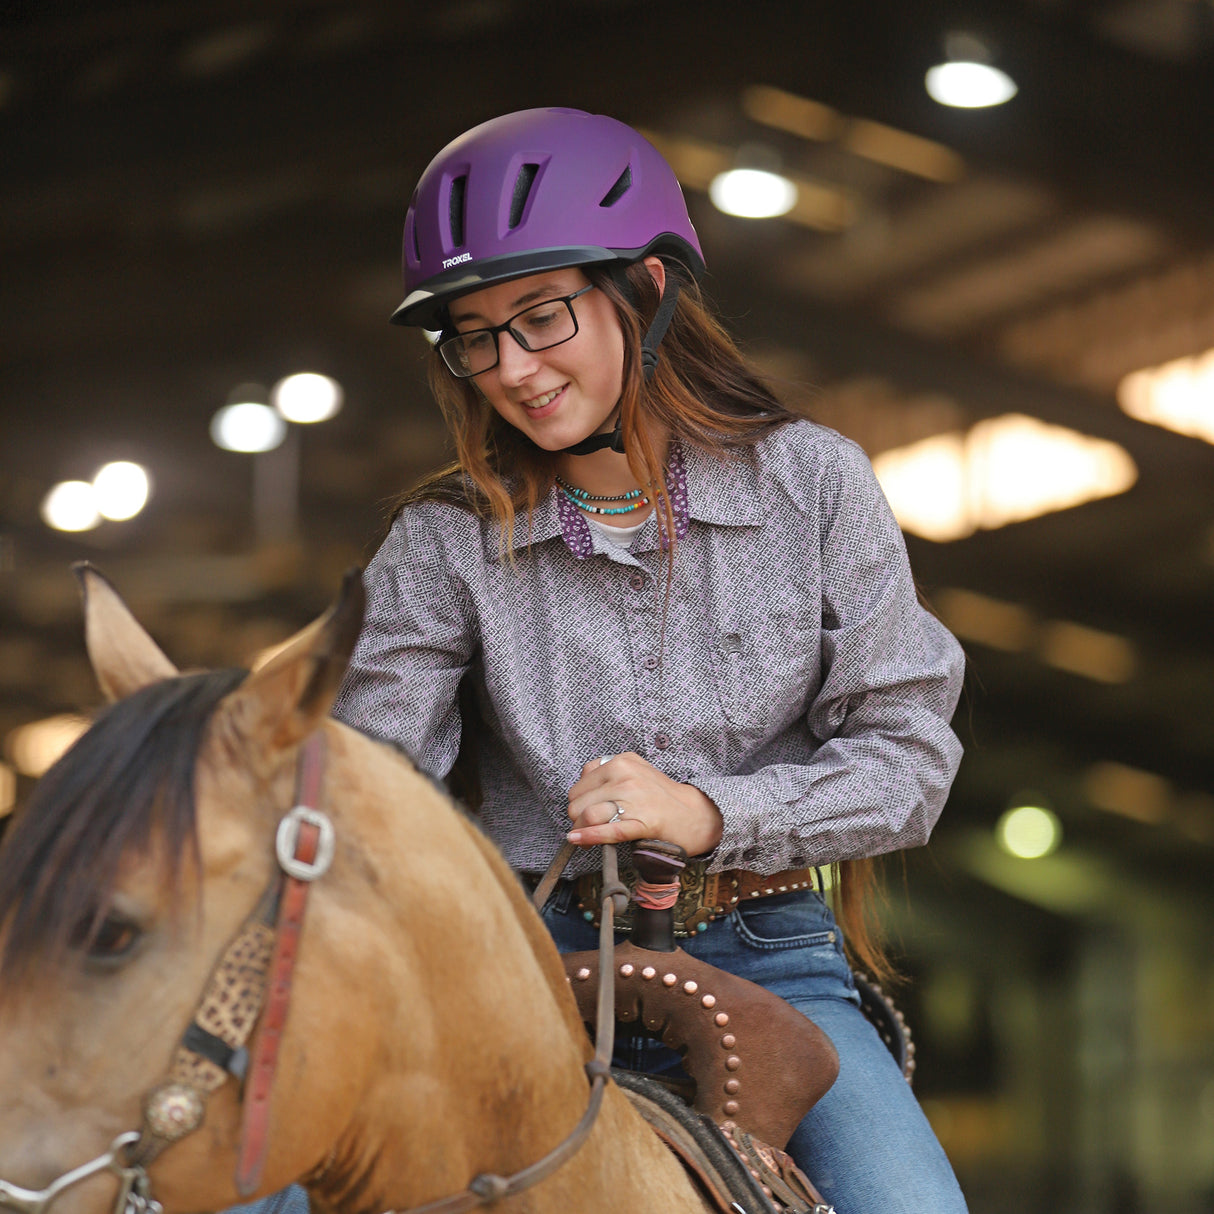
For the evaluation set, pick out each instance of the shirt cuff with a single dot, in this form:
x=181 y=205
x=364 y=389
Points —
x=746 y=815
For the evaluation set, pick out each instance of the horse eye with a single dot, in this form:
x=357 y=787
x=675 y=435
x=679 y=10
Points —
x=113 y=940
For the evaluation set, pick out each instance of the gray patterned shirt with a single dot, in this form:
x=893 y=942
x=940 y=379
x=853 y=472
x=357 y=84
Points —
x=802 y=687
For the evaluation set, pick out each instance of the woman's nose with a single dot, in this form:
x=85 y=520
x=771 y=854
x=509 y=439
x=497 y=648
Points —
x=514 y=362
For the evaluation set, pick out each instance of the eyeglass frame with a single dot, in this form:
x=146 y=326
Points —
x=504 y=327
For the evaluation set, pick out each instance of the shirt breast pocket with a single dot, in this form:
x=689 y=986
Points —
x=766 y=669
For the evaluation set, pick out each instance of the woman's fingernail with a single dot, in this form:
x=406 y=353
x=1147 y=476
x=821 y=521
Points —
x=574 y=836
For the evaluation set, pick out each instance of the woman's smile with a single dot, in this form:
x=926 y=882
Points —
x=545 y=403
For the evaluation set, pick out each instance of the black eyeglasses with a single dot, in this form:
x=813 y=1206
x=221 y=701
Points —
x=538 y=327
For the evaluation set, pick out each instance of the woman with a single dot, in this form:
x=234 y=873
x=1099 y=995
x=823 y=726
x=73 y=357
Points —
x=649 y=602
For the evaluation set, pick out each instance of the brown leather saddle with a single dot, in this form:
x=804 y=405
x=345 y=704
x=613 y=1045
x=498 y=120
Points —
x=757 y=1065
x=733 y=1171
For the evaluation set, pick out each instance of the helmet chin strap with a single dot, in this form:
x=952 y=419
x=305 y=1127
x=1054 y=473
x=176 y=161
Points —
x=649 y=364
x=596 y=442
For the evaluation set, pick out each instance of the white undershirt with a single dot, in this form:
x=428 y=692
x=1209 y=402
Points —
x=622 y=537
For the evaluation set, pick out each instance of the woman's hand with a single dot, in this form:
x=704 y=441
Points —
x=622 y=797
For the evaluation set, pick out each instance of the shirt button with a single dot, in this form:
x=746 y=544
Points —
x=650 y=663
x=661 y=740
x=637 y=581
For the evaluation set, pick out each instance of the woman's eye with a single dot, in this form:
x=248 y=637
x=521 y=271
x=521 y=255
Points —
x=541 y=320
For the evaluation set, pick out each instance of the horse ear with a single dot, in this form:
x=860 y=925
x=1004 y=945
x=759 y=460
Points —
x=287 y=698
x=124 y=657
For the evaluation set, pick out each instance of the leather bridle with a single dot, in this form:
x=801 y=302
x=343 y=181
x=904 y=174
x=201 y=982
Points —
x=251 y=986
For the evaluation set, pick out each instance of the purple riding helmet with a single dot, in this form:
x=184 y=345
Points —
x=532 y=191
x=543 y=190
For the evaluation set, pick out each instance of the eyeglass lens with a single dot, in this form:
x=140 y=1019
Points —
x=535 y=328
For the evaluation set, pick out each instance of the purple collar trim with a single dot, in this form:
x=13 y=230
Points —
x=576 y=531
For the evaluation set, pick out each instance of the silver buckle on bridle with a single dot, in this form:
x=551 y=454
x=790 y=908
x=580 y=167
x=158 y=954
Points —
x=288 y=834
x=134 y=1193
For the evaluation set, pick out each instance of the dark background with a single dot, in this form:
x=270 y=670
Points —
x=199 y=194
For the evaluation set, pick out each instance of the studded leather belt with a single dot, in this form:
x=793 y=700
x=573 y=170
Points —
x=703 y=896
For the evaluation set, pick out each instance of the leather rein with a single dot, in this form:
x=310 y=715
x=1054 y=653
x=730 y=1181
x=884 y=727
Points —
x=250 y=987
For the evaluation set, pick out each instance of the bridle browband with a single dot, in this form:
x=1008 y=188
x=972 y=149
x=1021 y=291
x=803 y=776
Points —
x=260 y=958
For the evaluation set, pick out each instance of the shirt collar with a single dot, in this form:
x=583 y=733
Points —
x=544 y=524
x=710 y=488
x=724 y=487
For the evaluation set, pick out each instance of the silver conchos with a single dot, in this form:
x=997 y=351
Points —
x=172 y=1111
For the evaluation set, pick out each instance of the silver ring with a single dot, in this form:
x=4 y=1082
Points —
x=605 y=759
x=619 y=813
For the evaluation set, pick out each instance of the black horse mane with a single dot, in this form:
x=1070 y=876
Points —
x=128 y=779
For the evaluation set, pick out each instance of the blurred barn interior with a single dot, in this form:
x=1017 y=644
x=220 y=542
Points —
x=201 y=194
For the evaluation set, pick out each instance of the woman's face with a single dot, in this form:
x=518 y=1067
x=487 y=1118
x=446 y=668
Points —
x=561 y=395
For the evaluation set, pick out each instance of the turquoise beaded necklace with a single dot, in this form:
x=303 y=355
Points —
x=635 y=499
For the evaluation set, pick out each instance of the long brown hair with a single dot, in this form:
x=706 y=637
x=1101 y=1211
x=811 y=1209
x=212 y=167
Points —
x=705 y=393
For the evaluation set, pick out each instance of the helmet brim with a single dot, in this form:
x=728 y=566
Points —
x=427 y=306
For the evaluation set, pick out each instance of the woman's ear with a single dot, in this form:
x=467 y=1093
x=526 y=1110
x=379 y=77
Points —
x=657 y=271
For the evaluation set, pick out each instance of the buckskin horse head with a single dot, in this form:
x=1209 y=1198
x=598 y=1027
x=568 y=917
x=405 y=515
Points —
x=427 y=1036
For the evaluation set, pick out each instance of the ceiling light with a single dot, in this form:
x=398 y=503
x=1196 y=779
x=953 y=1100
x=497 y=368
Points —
x=874 y=141
x=925 y=485
x=1029 y=832
x=993 y=622
x=697 y=164
x=901 y=150
x=1178 y=395
x=8 y=789
x=752 y=193
x=247 y=426
x=788 y=112
x=71 y=506
x=1077 y=649
x=307 y=397
x=968 y=79
x=1019 y=467
x=1128 y=791
x=33 y=748
x=1004 y=470
x=121 y=489
x=969 y=86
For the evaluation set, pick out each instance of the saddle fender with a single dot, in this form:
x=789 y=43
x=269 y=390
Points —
x=734 y=1171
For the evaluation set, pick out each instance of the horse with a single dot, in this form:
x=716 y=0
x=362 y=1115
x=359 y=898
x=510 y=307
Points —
x=427 y=1036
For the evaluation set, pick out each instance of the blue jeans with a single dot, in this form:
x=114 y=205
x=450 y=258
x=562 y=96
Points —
x=291 y=1200
x=866 y=1144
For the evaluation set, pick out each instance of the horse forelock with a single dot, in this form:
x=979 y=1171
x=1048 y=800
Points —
x=128 y=780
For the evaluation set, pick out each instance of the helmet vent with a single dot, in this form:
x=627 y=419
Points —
x=522 y=191
x=459 y=188
x=623 y=183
